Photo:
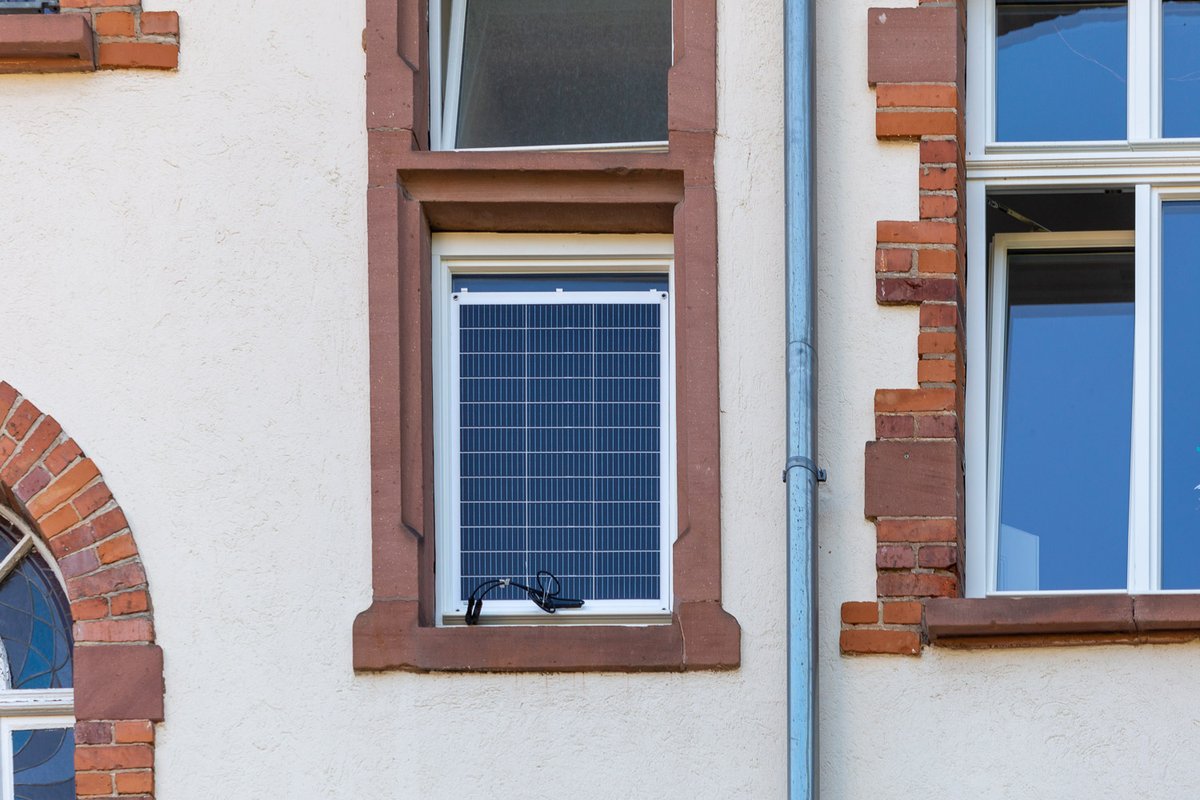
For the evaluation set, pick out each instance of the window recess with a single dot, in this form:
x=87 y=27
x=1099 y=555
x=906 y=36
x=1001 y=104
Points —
x=574 y=74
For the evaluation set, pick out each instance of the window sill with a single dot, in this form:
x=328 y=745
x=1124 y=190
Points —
x=996 y=622
x=46 y=43
x=700 y=636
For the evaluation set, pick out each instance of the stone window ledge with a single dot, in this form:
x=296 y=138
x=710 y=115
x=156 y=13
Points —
x=995 y=622
x=46 y=43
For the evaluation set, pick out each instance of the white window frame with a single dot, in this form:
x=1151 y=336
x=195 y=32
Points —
x=1158 y=171
x=520 y=254
x=445 y=86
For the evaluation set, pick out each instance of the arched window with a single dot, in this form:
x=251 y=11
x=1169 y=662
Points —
x=37 y=742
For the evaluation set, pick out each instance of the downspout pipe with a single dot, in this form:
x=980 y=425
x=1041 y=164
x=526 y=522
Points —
x=801 y=471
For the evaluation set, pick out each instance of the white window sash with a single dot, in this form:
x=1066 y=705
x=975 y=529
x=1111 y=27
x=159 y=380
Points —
x=25 y=723
x=510 y=254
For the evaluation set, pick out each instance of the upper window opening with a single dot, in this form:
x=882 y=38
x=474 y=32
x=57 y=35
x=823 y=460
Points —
x=1061 y=71
x=550 y=73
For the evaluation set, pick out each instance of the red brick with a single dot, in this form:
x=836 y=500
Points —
x=160 y=23
x=117 y=549
x=901 y=400
x=138 y=782
x=8 y=397
x=937 y=426
x=114 y=23
x=908 y=584
x=937 y=343
x=90 y=784
x=894 y=259
x=114 y=630
x=109 y=523
x=135 y=731
x=860 y=613
x=938 y=179
x=937 y=262
x=939 y=151
x=903 y=613
x=915 y=95
x=890 y=291
x=133 y=602
x=938 y=206
x=22 y=419
x=94 y=3
x=61 y=456
x=939 y=315
x=894 y=426
x=938 y=556
x=64 y=487
x=861 y=641
x=895 y=556
x=129 y=575
x=915 y=124
x=916 y=232
x=145 y=55
x=121 y=756
x=92 y=499
x=32 y=449
x=74 y=539
x=916 y=530
x=91 y=608
x=57 y=522
x=80 y=563
x=93 y=732
x=7 y=446
x=936 y=371
x=31 y=484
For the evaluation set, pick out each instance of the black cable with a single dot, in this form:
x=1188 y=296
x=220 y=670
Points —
x=545 y=596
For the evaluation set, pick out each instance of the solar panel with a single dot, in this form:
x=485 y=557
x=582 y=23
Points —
x=559 y=459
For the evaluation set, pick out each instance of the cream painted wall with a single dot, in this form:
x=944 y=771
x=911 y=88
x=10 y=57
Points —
x=1067 y=724
x=183 y=257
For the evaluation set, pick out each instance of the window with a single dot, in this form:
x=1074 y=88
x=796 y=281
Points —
x=1083 y=167
x=37 y=736
x=539 y=73
x=554 y=417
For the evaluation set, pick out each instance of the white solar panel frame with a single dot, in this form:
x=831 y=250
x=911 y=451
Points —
x=510 y=254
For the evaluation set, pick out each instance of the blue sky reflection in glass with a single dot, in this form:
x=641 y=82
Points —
x=1180 y=396
x=1061 y=71
x=1181 y=68
x=1068 y=406
x=560 y=440
x=44 y=764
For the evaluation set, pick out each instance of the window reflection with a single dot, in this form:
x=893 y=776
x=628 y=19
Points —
x=1181 y=68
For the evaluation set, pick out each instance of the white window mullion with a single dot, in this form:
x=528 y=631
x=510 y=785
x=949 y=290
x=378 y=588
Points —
x=1153 y=50
x=1140 y=91
x=448 y=136
x=6 y=759
x=981 y=85
x=977 y=558
x=1143 y=522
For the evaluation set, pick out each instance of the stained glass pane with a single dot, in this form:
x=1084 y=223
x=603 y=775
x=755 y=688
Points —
x=1061 y=71
x=35 y=624
x=1068 y=420
x=44 y=764
x=547 y=72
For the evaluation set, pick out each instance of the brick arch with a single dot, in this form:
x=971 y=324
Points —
x=47 y=479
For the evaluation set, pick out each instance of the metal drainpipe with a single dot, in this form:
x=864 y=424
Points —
x=801 y=472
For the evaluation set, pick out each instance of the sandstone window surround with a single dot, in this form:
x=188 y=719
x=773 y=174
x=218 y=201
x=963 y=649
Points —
x=414 y=192
x=88 y=35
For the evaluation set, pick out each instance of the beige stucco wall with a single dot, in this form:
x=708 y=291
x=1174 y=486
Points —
x=1067 y=724
x=184 y=264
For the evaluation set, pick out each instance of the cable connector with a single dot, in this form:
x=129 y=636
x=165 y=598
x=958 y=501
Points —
x=545 y=596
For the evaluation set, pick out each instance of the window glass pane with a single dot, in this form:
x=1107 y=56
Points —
x=1068 y=404
x=560 y=457
x=35 y=626
x=1180 y=393
x=1181 y=68
x=44 y=764
x=1061 y=71
x=545 y=72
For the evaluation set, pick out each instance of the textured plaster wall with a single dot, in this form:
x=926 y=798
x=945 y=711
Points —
x=1068 y=724
x=183 y=262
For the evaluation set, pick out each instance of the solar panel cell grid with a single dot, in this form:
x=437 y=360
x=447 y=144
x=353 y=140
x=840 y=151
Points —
x=560 y=456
